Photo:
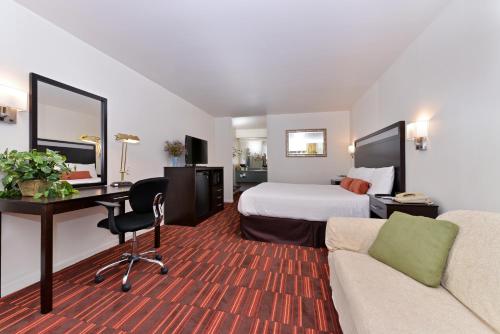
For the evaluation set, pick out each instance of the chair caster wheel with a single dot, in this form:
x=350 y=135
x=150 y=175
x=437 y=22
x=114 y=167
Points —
x=126 y=287
x=164 y=270
x=98 y=279
x=158 y=257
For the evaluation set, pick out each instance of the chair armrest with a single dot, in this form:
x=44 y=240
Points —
x=109 y=205
x=353 y=234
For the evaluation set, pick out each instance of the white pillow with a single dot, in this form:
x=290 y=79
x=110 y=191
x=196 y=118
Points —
x=84 y=167
x=361 y=173
x=382 y=180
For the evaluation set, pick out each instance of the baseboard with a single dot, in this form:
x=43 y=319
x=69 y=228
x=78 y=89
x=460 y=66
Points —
x=26 y=280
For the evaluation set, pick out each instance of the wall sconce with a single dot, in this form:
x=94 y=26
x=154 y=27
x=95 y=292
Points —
x=351 y=149
x=11 y=101
x=419 y=133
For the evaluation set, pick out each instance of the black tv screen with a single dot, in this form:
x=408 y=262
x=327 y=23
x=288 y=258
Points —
x=196 y=151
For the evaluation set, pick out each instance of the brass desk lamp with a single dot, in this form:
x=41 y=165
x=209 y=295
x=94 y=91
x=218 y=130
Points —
x=125 y=140
x=96 y=140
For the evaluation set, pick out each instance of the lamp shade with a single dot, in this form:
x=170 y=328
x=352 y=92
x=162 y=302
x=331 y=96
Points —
x=125 y=138
x=419 y=129
x=351 y=149
x=90 y=139
x=13 y=98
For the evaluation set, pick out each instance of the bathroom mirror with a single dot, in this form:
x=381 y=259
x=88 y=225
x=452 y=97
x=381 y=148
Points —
x=306 y=143
x=72 y=122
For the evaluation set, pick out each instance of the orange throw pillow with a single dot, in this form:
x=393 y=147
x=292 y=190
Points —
x=359 y=187
x=346 y=182
x=76 y=175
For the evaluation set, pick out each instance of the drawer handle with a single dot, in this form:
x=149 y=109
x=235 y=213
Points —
x=219 y=190
x=376 y=207
x=220 y=204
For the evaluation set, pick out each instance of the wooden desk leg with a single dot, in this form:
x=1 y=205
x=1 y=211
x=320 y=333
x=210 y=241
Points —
x=46 y=258
x=121 y=211
x=0 y=254
x=157 y=237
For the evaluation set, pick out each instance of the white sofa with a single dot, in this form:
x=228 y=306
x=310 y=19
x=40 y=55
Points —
x=371 y=297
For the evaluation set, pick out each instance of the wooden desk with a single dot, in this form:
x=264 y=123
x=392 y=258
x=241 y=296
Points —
x=46 y=209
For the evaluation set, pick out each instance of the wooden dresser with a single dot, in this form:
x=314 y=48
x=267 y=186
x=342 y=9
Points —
x=194 y=194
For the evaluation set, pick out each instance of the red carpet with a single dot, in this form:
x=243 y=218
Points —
x=218 y=283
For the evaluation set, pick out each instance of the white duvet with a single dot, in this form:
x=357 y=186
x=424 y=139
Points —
x=302 y=201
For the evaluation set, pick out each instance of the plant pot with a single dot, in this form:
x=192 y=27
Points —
x=31 y=187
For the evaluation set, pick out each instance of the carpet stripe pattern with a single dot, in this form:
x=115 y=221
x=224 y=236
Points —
x=217 y=283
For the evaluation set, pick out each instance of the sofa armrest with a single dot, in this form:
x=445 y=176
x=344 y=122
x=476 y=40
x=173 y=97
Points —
x=353 y=234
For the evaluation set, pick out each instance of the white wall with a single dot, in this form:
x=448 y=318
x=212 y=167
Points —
x=251 y=133
x=76 y=123
x=135 y=105
x=316 y=170
x=450 y=74
x=223 y=146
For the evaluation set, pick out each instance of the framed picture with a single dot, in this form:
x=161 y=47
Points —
x=306 y=143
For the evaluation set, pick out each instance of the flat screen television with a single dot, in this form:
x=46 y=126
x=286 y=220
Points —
x=196 y=151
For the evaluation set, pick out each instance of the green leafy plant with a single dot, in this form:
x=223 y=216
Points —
x=174 y=148
x=48 y=166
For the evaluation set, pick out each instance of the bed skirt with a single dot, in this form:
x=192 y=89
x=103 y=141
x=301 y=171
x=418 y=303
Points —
x=283 y=230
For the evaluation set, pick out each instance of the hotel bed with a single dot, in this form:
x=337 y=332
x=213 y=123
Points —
x=311 y=202
x=297 y=213
x=79 y=157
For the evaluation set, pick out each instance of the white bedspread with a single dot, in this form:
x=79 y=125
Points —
x=302 y=201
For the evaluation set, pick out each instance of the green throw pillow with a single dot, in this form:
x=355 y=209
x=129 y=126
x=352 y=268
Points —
x=415 y=246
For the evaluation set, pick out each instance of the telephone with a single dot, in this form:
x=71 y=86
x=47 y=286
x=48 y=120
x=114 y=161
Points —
x=413 y=198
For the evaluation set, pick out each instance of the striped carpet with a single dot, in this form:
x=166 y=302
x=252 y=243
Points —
x=218 y=283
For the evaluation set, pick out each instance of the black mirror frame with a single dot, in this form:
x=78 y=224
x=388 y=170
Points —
x=33 y=109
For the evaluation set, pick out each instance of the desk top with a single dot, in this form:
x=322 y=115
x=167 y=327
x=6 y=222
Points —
x=83 y=193
x=85 y=198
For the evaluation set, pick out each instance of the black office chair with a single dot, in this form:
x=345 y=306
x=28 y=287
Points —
x=147 y=201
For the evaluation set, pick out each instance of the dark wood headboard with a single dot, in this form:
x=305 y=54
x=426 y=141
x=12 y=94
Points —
x=75 y=152
x=384 y=148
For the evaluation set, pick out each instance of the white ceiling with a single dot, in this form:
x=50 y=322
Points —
x=250 y=57
x=249 y=122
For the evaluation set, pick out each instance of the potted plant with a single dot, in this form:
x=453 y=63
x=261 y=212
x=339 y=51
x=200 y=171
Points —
x=34 y=173
x=174 y=149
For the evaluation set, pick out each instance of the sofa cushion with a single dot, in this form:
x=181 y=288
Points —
x=473 y=271
x=354 y=234
x=416 y=246
x=381 y=300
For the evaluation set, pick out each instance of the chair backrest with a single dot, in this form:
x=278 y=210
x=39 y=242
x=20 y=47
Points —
x=143 y=193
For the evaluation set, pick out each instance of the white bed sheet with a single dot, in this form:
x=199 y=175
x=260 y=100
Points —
x=312 y=202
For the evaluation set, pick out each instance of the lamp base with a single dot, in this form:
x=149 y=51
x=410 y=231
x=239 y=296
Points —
x=121 y=184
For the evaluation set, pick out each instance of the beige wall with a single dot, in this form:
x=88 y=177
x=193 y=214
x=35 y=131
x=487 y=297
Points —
x=317 y=170
x=450 y=74
x=135 y=105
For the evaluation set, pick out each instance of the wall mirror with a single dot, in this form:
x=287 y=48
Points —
x=306 y=143
x=72 y=122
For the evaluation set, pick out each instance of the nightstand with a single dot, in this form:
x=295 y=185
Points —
x=383 y=208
